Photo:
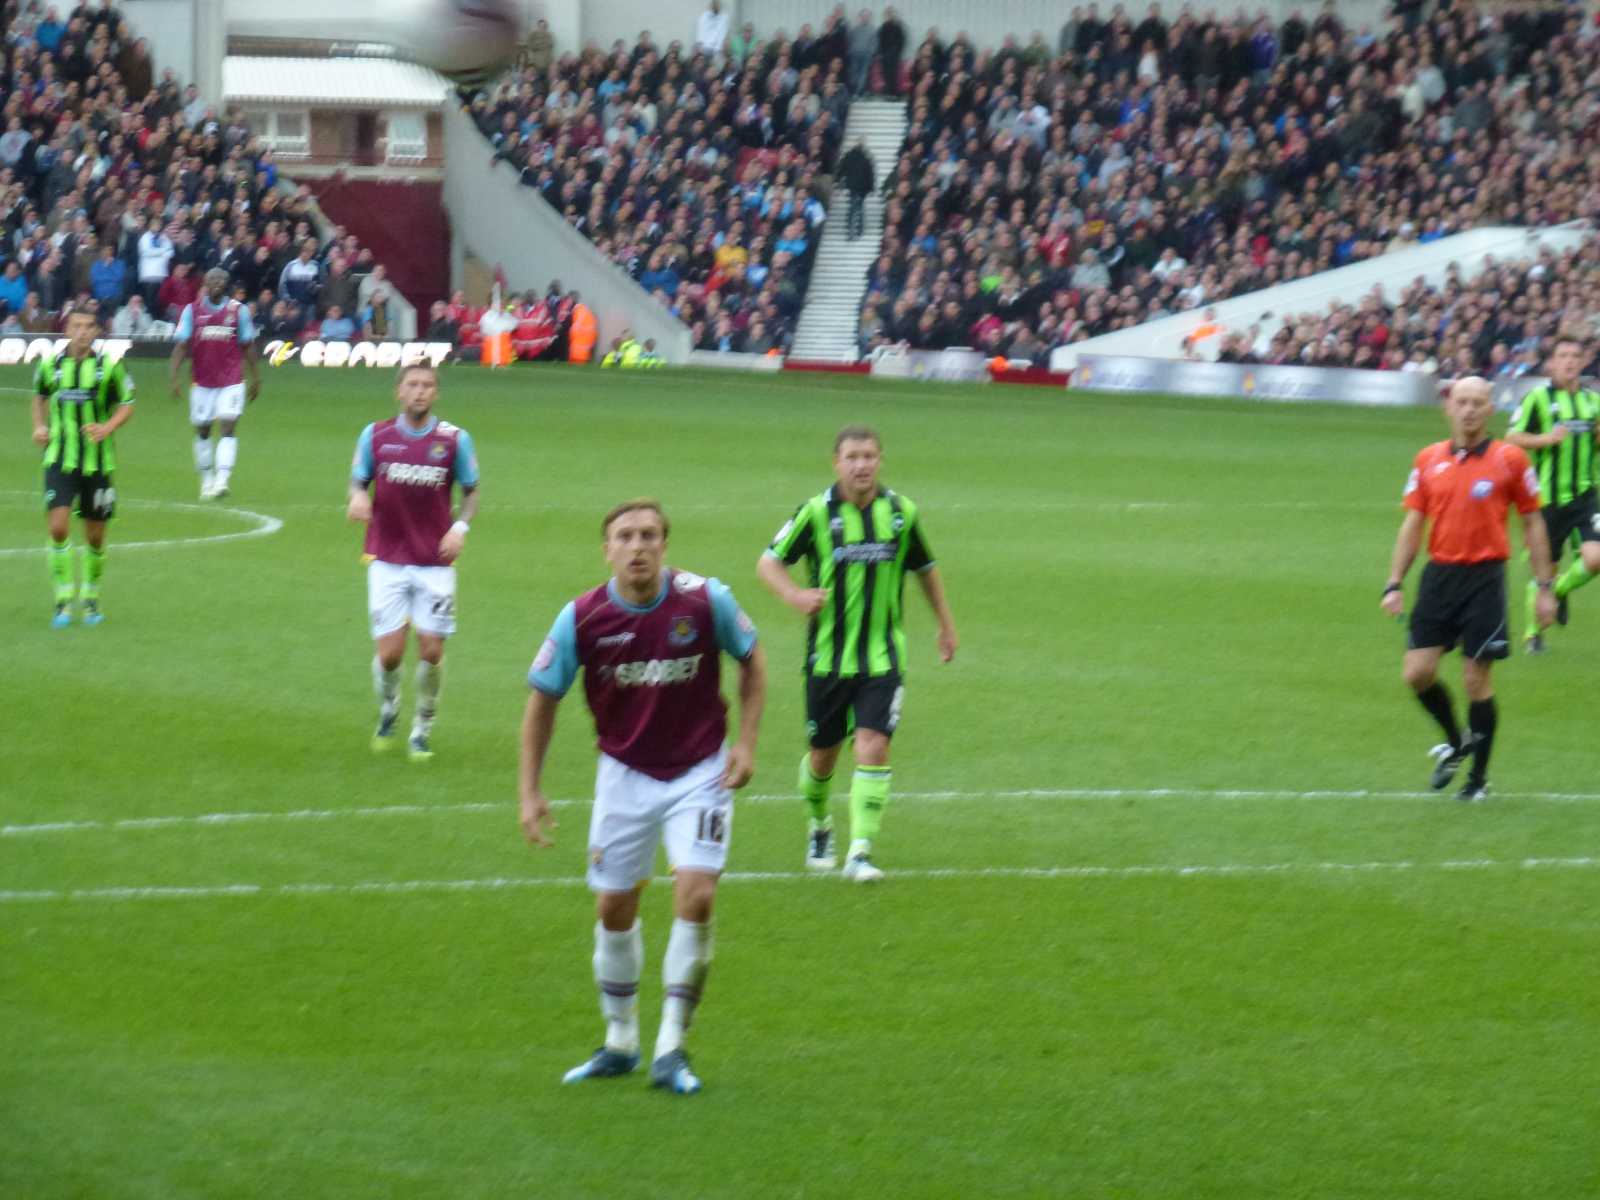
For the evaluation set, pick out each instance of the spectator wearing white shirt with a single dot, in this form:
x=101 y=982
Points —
x=155 y=259
x=133 y=319
x=14 y=142
x=1168 y=264
x=711 y=31
x=194 y=108
x=378 y=277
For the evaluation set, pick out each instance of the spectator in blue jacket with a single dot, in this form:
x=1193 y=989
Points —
x=336 y=327
x=660 y=275
x=13 y=287
x=108 y=277
x=300 y=281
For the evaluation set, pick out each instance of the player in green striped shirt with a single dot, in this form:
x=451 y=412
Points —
x=1558 y=426
x=858 y=540
x=81 y=399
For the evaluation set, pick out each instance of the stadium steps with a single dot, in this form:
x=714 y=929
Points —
x=832 y=313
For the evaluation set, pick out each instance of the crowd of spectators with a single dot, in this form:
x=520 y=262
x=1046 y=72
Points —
x=119 y=189
x=1141 y=167
x=1501 y=323
x=699 y=169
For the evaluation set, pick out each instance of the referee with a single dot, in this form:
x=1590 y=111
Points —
x=80 y=400
x=1465 y=486
x=1558 y=425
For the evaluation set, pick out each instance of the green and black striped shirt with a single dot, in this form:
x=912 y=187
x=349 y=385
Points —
x=79 y=392
x=861 y=555
x=1566 y=470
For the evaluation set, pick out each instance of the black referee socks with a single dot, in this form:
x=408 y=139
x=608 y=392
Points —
x=1436 y=699
x=1481 y=718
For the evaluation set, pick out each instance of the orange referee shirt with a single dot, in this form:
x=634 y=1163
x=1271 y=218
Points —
x=1466 y=494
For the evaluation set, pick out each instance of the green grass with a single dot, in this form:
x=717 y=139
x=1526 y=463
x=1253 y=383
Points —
x=1152 y=594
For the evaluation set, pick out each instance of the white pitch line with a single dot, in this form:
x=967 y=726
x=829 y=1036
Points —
x=222 y=819
x=987 y=506
x=406 y=887
x=264 y=526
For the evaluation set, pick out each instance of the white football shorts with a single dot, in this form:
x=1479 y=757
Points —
x=634 y=812
x=216 y=404
x=423 y=596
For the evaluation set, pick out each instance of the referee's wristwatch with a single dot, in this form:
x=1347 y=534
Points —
x=1392 y=587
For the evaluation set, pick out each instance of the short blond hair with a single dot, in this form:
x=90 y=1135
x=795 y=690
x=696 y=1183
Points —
x=642 y=504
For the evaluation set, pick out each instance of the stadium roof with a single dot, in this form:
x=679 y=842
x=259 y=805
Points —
x=331 y=82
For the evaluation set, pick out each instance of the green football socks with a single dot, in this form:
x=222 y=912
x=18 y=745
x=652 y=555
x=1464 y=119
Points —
x=1573 y=578
x=869 y=792
x=814 y=791
x=94 y=566
x=60 y=557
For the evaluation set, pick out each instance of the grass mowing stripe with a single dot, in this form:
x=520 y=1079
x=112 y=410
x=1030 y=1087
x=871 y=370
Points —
x=216 y=819
x=405 y=887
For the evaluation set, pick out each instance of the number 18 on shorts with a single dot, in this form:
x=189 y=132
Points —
x=634 y=812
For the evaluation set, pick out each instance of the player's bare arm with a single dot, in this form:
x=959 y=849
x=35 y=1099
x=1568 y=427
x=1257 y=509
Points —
x=359 y=508
x=99 y=431
x=1537 y=540
x=252 y=367
x=538 y=725
x=1407 y=544
x=933 y=589
x=752 y=703
x=175 y=368
x=41 y=420
x=806 y=601
x=455 y=538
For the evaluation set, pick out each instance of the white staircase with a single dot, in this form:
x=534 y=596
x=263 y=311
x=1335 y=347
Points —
x=832 y=314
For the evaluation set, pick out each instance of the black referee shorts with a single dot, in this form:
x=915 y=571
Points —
x=1577 y=521
x=1462 y=603
x=91 y=495
x=836 y=704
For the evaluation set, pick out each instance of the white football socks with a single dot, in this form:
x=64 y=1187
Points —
x=430 y=678
x=618 y=963
x=683 y=972
x=227 y=455
x=203 y=460
x=387 y=685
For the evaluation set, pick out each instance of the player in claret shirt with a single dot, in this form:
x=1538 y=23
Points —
x=217 y=334
x=412 y=464
x=650 y=642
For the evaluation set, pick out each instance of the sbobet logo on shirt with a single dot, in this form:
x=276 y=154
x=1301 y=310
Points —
x=358 y=354
x=1483 y=489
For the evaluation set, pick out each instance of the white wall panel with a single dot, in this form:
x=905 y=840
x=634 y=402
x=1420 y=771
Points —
x=501 y=221
x=603 y=21
x=667 y=20
x=987 y=24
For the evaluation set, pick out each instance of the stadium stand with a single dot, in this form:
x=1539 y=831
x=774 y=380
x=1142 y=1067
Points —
x=117 y=184
x=702 y=176
x=1498 y=324
x=1138 y=169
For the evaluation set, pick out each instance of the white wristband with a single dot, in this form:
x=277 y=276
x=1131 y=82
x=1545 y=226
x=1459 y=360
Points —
x=461 y=527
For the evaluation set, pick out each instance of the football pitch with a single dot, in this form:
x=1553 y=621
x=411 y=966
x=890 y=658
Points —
x=1168 y=912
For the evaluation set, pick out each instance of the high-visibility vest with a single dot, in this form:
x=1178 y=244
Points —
x=496 y=349
x=583 y=334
